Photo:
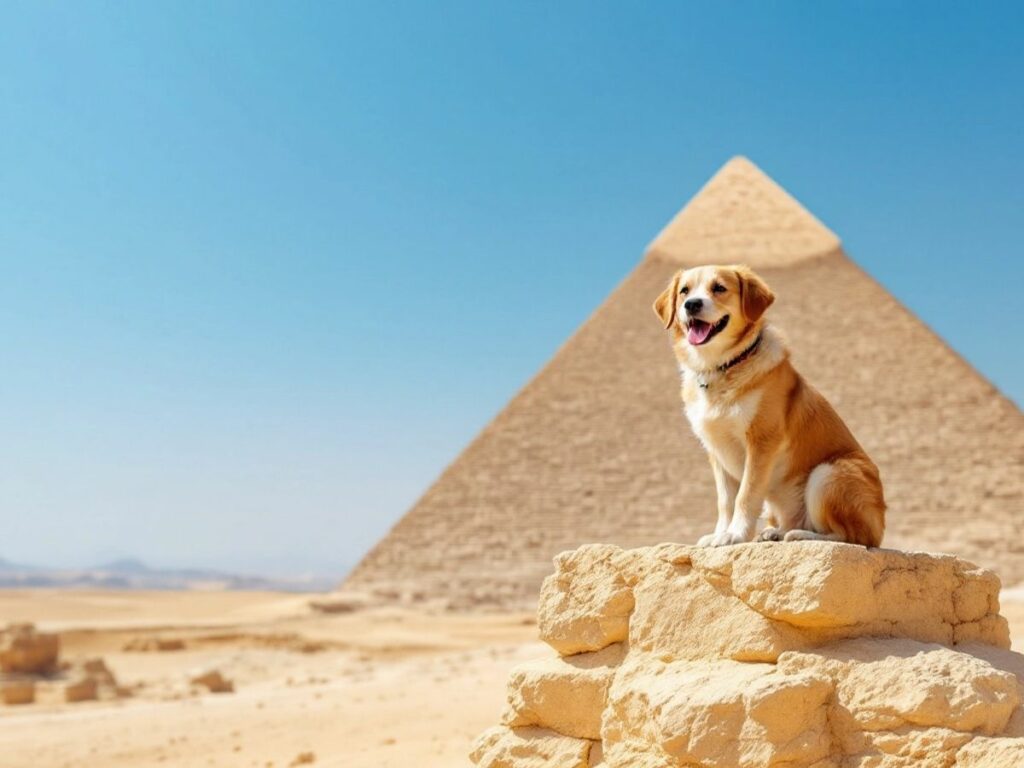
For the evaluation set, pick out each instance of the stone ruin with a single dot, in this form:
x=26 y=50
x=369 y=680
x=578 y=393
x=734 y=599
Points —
x=803 y=655
x=29 y=657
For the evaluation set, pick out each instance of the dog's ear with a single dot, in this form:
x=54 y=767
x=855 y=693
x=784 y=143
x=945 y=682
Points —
x=665 y=305
x=755 y=295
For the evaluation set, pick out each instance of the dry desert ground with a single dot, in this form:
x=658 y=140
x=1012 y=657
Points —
x=378 y=686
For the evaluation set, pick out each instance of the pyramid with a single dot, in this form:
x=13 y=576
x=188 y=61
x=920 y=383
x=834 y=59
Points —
x=596 y=449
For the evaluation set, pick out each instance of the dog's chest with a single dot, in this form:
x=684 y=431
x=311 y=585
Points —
x=721 y=424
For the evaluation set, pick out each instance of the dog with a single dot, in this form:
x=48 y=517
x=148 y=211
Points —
x=776 y=446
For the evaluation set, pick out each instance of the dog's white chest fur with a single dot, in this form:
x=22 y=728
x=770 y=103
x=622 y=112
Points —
x=721 y=424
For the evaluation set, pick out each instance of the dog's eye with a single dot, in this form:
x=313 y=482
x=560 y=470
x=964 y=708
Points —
x=718 y=288
x=684 y=290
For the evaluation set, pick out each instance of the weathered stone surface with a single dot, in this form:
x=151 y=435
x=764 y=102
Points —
x=97 y=669
x=565 y=694
x=214 y=681
x=796 y=655
x=907 y=748
x=24 y=650
x=1007 y=661
x=529 y=748
x=585 y=604
x=755 y=601
x=15 y=692
x=722 y=714
x=681 y=614
x=991 y=753
x=81 y=689
x=884 y=685
x=842 y=585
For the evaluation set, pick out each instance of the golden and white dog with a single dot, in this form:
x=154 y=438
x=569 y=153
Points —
x=776 y=446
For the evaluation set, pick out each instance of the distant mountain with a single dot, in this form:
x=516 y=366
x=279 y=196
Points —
x=130 y=573
x=125 y=565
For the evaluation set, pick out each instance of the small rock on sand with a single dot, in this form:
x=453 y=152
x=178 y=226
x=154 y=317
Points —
x=18 y=692
x=81 y=689
x=24 y=650
x=161 y=644
x=304 y=758
x=97 y=669
x=341 y=602
x=213 y=681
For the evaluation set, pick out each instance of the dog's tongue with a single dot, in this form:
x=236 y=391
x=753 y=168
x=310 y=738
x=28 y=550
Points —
x=698 y=332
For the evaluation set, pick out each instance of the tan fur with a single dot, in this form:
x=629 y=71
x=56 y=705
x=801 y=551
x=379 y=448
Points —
x=766 y=430
x=666 y=304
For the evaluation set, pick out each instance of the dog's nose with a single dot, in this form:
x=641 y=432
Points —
x=693 y=305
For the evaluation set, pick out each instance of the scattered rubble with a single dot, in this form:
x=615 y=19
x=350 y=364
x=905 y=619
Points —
x=341 y=602
x=81 y=689
x=14 y=692
x=24 y=650
x=29 y=661
x=213 y=681
x=150 y=644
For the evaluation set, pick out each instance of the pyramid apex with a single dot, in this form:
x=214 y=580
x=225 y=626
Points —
x=740 y=161
x=742 y=216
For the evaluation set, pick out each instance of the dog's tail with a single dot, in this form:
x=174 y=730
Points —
x=844 y=499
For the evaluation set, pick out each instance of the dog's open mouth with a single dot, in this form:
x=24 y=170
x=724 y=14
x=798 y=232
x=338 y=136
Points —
x=699 y=332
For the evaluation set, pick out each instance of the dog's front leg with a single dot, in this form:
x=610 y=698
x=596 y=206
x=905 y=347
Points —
x=726 y=487
x=757 y=475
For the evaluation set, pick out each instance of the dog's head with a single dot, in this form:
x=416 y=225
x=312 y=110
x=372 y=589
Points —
x=713 y=307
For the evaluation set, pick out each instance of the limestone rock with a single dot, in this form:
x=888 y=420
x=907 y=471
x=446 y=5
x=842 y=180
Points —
x=81 y=689
x=884 y=685
x=722 y=714
x=755 y=601
x=565 y=694
x=854 y=591
x=24 y=650
x=97 y=669
x=90 y=679
x=991 y=753
x=18 y=692
x=585 y=604
x=213 y=681
x=341 y=602
x=1006 y=661
x=529 y=748
x=796 y=655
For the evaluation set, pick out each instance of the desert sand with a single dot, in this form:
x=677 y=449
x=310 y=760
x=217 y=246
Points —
x=380 y=686
x=377 y=687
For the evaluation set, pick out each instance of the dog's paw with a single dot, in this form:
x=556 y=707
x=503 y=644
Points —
x=727 y=539
x=799 y=534
x=770 y=534
x=706 y=541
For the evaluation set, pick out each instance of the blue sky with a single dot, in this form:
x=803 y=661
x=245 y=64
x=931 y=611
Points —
x=266 y=268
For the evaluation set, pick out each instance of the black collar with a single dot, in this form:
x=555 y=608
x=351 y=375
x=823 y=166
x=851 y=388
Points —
x=735 y=361
x=742 y=355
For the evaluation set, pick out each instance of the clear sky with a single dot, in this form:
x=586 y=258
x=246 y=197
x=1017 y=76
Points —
x=266 y=268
